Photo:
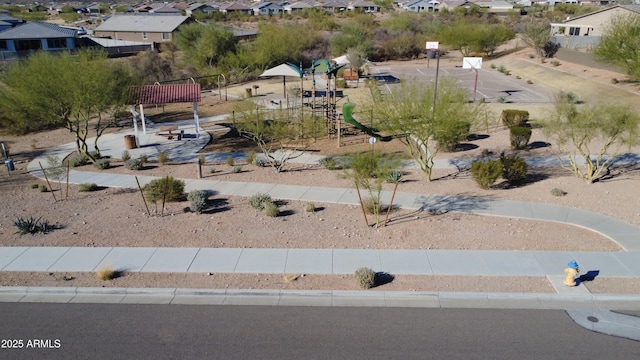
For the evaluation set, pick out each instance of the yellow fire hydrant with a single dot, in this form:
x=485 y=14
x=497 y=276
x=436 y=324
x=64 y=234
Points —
x=572 y=272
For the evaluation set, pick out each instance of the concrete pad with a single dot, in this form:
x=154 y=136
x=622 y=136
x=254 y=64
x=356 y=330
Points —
x=469 y=300
x=252 y=297
x=97 y=299
x=630 y=242
x=457 y=262
x=553 y=262
x=309 y=261
x=412 y=299
x=584 y=218
x=36 y=259
x=520 y=263
x=402 y=200
x=291 y=192
x=127 y=259
x=605 y=263
x=511 y=209
x=215 y=260
x=114 y=181
x=228 y=187
x=250 y=189
x=11 y=297
x=202 y=184
x=147 y=299
x=630 y=260
x=412 y=262
x=358 y=298
x=83 y=259
x=350 y=197
x=198 y=300
x=79 y=177
x=558 y=284
x=347 y=261
x=170 y=260
x=47 y=298
x=266 y=261
x=549 y=212
x=10 y=253
x=513 y=301
x=306 y=298
x=617 y=302
x=330 y=195
x=563 y=302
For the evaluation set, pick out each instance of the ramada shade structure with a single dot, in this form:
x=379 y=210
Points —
x=284 y=70
x=165 y=94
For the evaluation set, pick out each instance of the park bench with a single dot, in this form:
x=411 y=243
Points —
x=170 y=132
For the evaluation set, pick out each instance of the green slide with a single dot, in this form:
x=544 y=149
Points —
x=347 y=113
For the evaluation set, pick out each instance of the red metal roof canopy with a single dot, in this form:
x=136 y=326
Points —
x=165 y=94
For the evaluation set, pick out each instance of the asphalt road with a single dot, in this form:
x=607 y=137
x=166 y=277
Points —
x=97 y=331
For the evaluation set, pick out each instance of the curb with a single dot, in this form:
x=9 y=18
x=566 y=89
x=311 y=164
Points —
x=333 y=298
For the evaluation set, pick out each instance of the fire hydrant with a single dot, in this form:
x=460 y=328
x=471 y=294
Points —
x=572 y=272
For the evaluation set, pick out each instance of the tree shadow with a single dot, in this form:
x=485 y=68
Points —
x=538 y=145
x=288 y=212
x=382 y=278
x=214 y=206
x=474 y=137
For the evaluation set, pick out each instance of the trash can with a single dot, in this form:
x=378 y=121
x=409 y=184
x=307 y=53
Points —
x=9 y=163
x=130 y=142
x=431 y=54
x=248 y=92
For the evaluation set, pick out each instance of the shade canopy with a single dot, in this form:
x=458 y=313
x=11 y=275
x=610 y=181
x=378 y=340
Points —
x=283 y=70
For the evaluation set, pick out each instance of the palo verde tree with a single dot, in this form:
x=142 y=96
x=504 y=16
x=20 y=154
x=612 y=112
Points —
x=64 y=90
x=279 y=135
x=608 y=127
x=536 y=35
x=426 y=128
x=620 y=44
x=204 y=46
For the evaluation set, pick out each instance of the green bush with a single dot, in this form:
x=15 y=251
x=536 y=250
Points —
x=519 y=137
x=271 y=209
x=134 y=164
x=102 y=164
x=78 y=160
x=86 y=187
x=329 y=163
x=34 y=186
x=514 y=169
x=511 y=118
x=371 y=206
x=143 y=158
x=558 y=192
x=258 y=200
x=31 y=226
x=341 y=83
x=155 y=190
x=485 y=173
x=42 y=188
x=197 y=200
x=126 y=156
x=449 y=137
x=236 y=169
x=259 y=161
x=230 y=160
x=212 y=170
x=309 y=207
x=394 y=177
x=365 y=277
x=202 y=159
x=163 y=158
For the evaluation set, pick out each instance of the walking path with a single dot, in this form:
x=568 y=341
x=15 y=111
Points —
x=333 y=261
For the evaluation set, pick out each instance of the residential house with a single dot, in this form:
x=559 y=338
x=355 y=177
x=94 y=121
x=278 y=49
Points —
x=145 y=28
x=207 y=9
x=421 y=5
x=366 y=6
x=7 y=21
x=496 y=6
x=333 y=7
x=585 y=31
x=452 y=4
x=22 y=40
x=266 y=8
x=235 y=7
x=296 y=6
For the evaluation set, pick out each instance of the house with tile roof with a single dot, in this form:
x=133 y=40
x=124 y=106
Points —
x=144 y=28
x=421 y=5
x=22 y=40
x=266 y=8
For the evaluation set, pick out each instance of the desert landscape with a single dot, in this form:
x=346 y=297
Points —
x=117 y=217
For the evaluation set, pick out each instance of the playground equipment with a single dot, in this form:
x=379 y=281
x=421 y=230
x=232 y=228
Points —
x=347 y=115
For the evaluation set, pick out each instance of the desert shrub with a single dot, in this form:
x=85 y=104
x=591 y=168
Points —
x=529 y=82
x=511 y=118
x=371 y=206
x=212 y=170
x=394 y=176
x=134 y=164
x=155 y=190
x=258 y=200
x=143 y=158
x=519 y=137
x=485 y=173
x=197 y=200
x=558 y=192
x=106 y=273
x=329 y=163
x=550 y=49
x=251 y=156
x=78 y=160
x=555 y=63
x=31 y=225
x=341 y=83
x=126 y=156
x=309 y=207
x=258 y=161
x=102 y=164
x=365 y=277
x=531 y=56
x=502 y=99
x=163 y=158
x=34 y=186
x=571 y=98
x=449 y=136
x=271 y=209
x=514 y=169
x=236 y=169
x=502 y=69
x=230 y=160
x=86 y=187
x=507 y=72
x=614 y=81
x=42 y=188
x=202 y=159
x=493 y=66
